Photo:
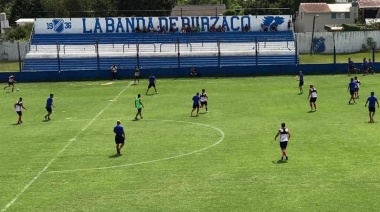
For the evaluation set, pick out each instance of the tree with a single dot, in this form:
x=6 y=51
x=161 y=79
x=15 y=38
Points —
x=25 y=9
x=76 y=8
x=146 y=7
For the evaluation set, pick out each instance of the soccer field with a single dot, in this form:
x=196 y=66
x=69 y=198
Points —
x=224 y=160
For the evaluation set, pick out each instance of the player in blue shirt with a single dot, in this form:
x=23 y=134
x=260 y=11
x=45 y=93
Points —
x=196 y=102
x=352 y=88
x=365 y=66
x=301 y=82
x=119 y=136
x=152 y=83
x=370 y=67
x=371 y=107
x=49 y=105
x=351 y=67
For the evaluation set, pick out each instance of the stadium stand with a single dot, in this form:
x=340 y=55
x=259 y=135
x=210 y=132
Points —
x=151 y=50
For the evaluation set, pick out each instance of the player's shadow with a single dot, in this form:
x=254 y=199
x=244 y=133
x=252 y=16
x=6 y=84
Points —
x=300 y=93
x=279 y=162
x=149 y=94
x=45 y=120
x=115 y=156
x=311 y=111
x=15 y=124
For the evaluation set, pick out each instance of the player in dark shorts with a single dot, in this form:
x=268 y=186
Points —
x=196 y=102
x=313 y=98
x=371 y=107
x=137 y=75
x=358 y=83
x=139 y=105
x=352 y=88
x=284 y=138
x=300 y=82
x=204 y=99
x=152 y=83
x=119 y=136
x=11 y=83
x=49 y=105
x=18 y=107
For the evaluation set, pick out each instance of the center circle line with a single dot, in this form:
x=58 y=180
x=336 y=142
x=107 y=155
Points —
x=157 y=160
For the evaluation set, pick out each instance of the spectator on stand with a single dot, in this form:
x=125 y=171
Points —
x=246 y=28
x=212 y=28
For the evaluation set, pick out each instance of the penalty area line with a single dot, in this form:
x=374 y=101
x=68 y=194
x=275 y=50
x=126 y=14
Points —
x=9 y=204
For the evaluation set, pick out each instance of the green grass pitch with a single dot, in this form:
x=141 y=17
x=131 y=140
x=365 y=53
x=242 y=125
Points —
x=225 y=160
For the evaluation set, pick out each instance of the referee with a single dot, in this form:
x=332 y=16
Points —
x=119 y=136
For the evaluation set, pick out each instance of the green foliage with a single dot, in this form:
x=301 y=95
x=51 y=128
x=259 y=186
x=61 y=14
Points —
x=84 y=8
x=229 y=12
x=352 y=27
x=26 y=9
x=19 y=32
x=371 y=44
x=141 y=7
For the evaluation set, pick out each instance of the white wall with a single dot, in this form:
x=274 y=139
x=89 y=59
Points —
x=345 y=42
x=9 y=50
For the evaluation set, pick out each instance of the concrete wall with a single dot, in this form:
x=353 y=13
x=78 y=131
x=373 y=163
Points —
x=9 y=51
x=345 y=42
x=247 y=71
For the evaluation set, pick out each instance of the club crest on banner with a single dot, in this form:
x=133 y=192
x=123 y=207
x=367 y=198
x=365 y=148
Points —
x=58 y=25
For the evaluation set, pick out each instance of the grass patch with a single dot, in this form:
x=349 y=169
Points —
x=340 y=58
x=9 y=67
x=173 y=162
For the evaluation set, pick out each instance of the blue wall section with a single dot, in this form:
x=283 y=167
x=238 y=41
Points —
x=228 y=71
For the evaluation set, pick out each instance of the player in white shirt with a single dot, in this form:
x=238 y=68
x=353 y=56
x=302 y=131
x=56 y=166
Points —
x=11 y=82
x=204 y=99
x=137 y=75
x=18 y=107
x=358 y=83
x=284 y=134
x=313 y=98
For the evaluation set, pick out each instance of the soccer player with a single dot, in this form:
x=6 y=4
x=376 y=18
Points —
x=49 y=105
x=11 y=83
x=119 y=136
x=152 y=83
x=137 y=75
x=284 y=138
x=18 y=107
x=352 y=89
x=204 y=99
x=365 y=66
x=114 y=72
x=300 y=82
x=370 y=67
x=313 y=98
x=358 y=83
x=371 y=107
x=139 y=105
x=196 y=103
x=351 y=67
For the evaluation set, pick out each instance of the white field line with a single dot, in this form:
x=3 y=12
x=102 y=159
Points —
x=157 y=160
x=5 y=208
